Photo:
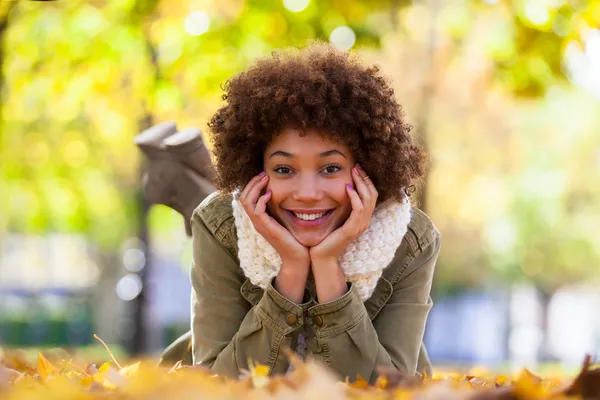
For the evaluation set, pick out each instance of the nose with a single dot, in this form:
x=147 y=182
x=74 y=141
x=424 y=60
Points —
x=307 y=189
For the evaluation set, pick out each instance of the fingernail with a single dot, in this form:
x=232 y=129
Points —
x=268 y=192
x=359 y=166
x=261 y=173
x=349 y=186
x=355 y=170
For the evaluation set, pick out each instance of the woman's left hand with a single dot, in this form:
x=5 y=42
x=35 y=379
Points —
x=363 y=201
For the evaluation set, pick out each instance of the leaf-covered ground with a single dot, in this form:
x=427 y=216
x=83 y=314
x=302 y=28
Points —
x=62 y=378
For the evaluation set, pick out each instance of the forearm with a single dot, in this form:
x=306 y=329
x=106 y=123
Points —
x=256 y=341
x=356 y=351
x=291 y=281
x=350 y=344
x=263 y=331
x=251 y=342
x=330 y=280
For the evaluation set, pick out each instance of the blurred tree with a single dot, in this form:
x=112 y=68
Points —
x=526 y=42
x=468 y=73
x=5 y=15
x=450 y=77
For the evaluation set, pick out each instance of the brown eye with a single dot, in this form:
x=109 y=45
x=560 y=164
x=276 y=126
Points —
x=283 y=170
x=332 y=169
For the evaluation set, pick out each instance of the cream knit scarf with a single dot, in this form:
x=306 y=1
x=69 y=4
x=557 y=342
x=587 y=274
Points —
x=363 y=260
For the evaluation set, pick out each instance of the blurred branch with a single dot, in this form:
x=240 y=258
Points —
x=395 y=7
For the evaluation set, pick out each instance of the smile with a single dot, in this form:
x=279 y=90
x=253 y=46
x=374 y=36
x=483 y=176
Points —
x=309 y=218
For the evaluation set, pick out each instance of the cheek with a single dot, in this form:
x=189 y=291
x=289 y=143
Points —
x=338 y=193
x=278 y=192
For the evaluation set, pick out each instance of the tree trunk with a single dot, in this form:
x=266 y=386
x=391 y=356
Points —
x=426 y=98
x=139 y=343
x=545 y=297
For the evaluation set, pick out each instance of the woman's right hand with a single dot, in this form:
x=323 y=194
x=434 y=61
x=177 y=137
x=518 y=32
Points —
x=288 y=248
x=295 y=258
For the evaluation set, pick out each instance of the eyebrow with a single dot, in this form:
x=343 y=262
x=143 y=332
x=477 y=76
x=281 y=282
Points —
x=323 y=154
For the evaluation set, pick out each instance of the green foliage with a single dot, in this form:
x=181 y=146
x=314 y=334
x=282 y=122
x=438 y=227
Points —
x=79 y=76
x=530 y=48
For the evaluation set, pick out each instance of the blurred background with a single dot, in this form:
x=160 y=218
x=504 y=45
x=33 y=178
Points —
x=505 y=96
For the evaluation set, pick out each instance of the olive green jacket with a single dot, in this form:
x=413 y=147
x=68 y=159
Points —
x=234 y=321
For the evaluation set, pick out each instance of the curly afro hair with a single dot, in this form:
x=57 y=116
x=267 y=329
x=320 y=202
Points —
x=316 y=87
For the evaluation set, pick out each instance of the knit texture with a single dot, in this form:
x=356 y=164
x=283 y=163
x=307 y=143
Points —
x=363 y=261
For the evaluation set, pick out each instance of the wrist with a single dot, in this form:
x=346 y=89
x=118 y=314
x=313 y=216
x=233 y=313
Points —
x=327 y=263
x=323 y=259
x=295 y=258
x=295 y=266
x=291 y=281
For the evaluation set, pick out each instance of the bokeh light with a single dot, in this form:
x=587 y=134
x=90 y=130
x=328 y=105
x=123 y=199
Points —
x=343 y=37
x=197 y=23
x=129 y=287
x=296 y=5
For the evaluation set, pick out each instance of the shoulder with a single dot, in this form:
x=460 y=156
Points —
x=216 y=213
x=421 y=232
x=421 y=241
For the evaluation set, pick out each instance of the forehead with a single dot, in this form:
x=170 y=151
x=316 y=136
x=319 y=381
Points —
x=305 y=141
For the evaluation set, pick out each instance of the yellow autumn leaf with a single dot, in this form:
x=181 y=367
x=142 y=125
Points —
x=261 y=370
x=104 y=367
x=175 y=367
x=44 y=367
x=359 y=383
x=107 y=376
x=501 y=380
x=130 y=369
x=528 y=385
x=381 y=382
x=86 y=381
x=259 y=374
x=72 y=374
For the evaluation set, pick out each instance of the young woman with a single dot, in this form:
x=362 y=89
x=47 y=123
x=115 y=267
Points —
x=310 y=242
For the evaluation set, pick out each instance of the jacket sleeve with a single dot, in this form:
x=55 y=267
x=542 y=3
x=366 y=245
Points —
x=227 y=331
x=351 y=344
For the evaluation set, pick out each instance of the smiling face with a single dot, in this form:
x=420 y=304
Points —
x=307 y=176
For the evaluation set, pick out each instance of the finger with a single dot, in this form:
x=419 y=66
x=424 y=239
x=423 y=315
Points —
x=268 y=222
x=250 y=184
x=261 y=208
x=366 y=180
x=254 y=192
x=353 y=223
x=361 y=186
x=261 y=204
x=363 y=212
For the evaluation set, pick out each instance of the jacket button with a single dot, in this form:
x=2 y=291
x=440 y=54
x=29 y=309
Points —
x=318 y=321
x=291 y=319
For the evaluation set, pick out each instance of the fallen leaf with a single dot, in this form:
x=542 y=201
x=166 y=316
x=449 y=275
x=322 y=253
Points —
x=44 y=367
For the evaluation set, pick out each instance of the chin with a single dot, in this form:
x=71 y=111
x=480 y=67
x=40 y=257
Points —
x=310 y=240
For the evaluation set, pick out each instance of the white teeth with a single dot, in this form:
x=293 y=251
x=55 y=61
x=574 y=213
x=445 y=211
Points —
x=309 y=217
